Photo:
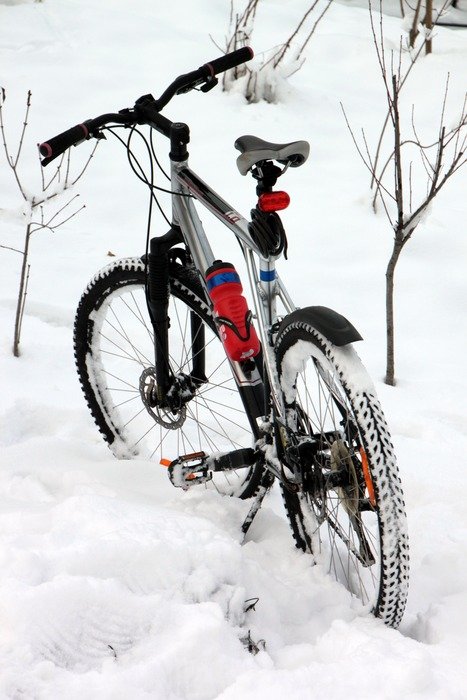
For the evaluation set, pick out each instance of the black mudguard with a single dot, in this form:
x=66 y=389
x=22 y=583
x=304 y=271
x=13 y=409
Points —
x=329 y=323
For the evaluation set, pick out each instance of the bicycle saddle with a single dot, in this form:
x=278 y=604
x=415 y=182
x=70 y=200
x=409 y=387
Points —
x=253 y=150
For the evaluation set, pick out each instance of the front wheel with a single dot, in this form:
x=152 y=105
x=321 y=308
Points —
x=114 y=352
x=349 y=511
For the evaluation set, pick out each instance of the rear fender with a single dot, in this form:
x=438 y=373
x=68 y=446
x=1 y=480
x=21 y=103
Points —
x=329 y=323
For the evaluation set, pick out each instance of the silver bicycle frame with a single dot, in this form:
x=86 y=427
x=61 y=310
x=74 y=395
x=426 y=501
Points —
x=264 y=283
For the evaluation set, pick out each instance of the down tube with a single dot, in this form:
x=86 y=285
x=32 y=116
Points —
x=250 y=383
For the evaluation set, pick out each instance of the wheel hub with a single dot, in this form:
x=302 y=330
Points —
x=171 y=411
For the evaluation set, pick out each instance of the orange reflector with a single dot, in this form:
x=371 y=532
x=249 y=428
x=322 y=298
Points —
x=368 y=479
x=273 y=201
x=165 y=462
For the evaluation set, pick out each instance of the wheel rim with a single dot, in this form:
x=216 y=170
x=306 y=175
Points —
x=122 y=350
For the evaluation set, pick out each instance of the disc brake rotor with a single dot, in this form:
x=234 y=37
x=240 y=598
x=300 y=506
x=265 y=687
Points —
x=172 y=420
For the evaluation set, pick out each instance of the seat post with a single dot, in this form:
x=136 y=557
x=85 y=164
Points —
x=266 y=174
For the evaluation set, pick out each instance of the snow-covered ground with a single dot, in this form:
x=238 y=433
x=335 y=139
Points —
x=113 y=584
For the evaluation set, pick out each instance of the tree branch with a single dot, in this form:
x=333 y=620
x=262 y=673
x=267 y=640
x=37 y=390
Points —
x=25 y=124
x=9 y=158
x=15 y=250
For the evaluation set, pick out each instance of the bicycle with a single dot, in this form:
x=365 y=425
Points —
x=161 y=382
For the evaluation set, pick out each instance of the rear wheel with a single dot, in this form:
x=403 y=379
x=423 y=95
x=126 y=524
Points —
x=114 y=352
x=350 y=511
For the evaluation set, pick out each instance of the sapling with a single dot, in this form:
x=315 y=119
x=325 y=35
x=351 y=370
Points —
x=261 y=81
x=43 y=210
x=425 y=24
x=394 y=181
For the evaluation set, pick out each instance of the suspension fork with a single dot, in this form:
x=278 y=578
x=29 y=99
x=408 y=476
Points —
x=157 y=294
x=249 y=379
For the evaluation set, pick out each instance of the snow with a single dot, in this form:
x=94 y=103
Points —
x=345 y=358
x=112 y=583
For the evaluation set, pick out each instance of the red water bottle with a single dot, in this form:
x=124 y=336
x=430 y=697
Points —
x=231 y=312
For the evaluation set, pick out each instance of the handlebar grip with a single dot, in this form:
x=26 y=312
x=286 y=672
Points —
x=230 y=60
x=58 y=144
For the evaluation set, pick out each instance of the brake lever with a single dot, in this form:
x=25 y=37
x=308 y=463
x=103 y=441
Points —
x=204 y=85
x=210 y=83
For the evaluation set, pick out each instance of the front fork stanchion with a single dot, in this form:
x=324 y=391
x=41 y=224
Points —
x=198 y=370
x=158 y=283
x=158 y=304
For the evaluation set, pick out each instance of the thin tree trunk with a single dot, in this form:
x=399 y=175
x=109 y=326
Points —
x=21 y=293
x=390 y=349
x=414 y=29
x=428 y=22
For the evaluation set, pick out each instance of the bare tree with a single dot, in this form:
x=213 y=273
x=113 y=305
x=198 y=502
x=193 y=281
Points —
x=438 y=159
x=282 y=61
x=414 y=31
x=429 y=20
x=239 y=34
x=37 y=213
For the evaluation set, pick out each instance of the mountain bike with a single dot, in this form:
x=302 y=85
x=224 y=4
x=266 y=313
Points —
x=169 y=376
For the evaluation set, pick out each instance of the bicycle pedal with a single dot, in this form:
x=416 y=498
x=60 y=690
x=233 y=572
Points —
x=189 y=470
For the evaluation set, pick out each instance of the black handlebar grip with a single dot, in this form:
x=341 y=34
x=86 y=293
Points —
x=230 y=60
x=58 y=144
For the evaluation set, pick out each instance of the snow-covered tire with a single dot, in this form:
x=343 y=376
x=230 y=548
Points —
x=113 y=346
x=361 y=538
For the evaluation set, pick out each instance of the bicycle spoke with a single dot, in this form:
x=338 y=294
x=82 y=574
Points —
x=121 y=357
x=123 y=381
x=122 y=403
x=218 y=403
x=124 y=335
x=223 y=416
x=139 y=316
x=126 y=355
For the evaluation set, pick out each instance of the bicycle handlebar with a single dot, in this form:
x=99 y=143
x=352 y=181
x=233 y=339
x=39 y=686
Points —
x=59 y=144
x=146 y=108
x=230 y=60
